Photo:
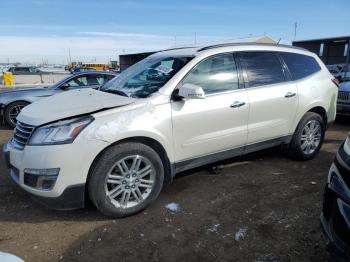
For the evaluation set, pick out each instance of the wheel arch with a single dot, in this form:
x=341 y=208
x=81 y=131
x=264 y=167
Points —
x=4 y=109
x=321 y=111
x=17 y=101
x=151 y=142
x=316 y=108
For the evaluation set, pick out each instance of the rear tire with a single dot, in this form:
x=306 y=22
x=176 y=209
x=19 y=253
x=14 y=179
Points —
x=12 y=111
x=126 y=179
x=308 y=137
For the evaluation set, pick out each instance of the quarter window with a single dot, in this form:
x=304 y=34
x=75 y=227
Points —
x=215 y=74
x=262 y=68
x=300 y=66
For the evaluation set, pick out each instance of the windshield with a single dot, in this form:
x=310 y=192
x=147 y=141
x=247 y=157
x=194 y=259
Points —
x=145 y=77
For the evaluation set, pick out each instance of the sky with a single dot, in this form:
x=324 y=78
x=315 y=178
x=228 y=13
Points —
x=32 y=31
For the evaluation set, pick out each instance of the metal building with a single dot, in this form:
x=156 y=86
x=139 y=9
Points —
x=332 y=51
x=129 y=59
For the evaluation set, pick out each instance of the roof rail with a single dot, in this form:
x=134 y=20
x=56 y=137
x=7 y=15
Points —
x=177 y=48
x=240 y=44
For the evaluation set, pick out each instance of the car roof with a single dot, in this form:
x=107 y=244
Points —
x=94 y=72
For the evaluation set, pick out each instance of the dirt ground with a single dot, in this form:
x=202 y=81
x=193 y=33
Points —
x=264 y=207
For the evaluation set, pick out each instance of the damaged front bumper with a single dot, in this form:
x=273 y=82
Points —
x=53 y=175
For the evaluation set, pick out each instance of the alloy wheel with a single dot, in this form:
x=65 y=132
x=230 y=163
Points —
x=130 y=181
x=311 y=137
x=14 y=112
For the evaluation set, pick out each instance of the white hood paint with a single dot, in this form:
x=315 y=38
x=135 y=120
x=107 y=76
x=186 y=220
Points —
x=69 y=104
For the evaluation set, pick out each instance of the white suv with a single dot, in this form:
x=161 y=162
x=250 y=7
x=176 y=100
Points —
x=175 y=110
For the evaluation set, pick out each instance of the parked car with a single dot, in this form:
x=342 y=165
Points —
x=335 y=218
x=12 y=102
x=340 y=71
x=343 y=103
x=173 y=111
x=24 y=70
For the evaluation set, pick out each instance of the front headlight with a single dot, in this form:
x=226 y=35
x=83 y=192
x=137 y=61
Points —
x=61 y=132
x=347 y=145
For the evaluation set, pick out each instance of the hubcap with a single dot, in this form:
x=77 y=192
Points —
x=311 y=137
x=130 y=181
x=14 y=112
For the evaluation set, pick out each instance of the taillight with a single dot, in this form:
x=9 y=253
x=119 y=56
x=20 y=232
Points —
x=335 y=81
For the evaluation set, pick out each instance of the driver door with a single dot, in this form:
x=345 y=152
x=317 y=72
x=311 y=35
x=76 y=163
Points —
x=216 y=125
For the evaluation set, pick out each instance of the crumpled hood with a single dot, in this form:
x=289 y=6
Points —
x=69 y=104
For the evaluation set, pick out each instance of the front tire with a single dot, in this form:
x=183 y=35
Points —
x=12 y=111
x=126 y=179
x=308 y=137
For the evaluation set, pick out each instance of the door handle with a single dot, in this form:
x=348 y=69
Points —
x=237 y=104
x=290 y=94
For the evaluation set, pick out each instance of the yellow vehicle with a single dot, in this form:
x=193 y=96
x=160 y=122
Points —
x=96 y=66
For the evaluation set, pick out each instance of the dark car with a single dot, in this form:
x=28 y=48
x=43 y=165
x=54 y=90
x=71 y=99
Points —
x=12 y=102
x=335 y=218
x=343 y=102
x=24 y=70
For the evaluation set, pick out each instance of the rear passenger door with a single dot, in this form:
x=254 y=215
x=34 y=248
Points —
x=273 y=98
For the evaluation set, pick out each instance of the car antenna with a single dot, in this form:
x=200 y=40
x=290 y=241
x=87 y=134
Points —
x=279 y=40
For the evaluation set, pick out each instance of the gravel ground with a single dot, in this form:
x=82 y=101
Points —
x=262 y=207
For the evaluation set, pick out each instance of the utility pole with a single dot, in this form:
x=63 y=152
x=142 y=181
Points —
x=195 y=38
x=347 y=59
x=70 y=58
x=295 y=30
x=175 y=40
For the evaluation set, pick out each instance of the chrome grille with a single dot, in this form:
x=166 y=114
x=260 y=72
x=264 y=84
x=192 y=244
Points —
x=21 y=135
x=342 y=95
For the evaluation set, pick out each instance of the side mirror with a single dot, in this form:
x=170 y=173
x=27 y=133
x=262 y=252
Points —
x=191 y=91
x=65 y=86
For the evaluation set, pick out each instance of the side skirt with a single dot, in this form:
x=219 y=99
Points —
x=212 y=158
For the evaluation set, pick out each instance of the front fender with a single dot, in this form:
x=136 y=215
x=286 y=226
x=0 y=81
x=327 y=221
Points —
x=146 y=121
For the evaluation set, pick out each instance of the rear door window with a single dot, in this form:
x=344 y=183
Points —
x=78 y=81
x=262 y=68
x=94 y=80
x=300 y=66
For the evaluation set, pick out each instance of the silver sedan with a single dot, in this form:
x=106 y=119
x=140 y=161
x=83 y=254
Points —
x=12 y=102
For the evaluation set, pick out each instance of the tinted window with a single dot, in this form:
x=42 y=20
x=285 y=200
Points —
x=22 y=69
x=263 y=68
x=107 y=78
x=86 y=80
x=78 y=81
x=300 y=66
x=214 y=74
